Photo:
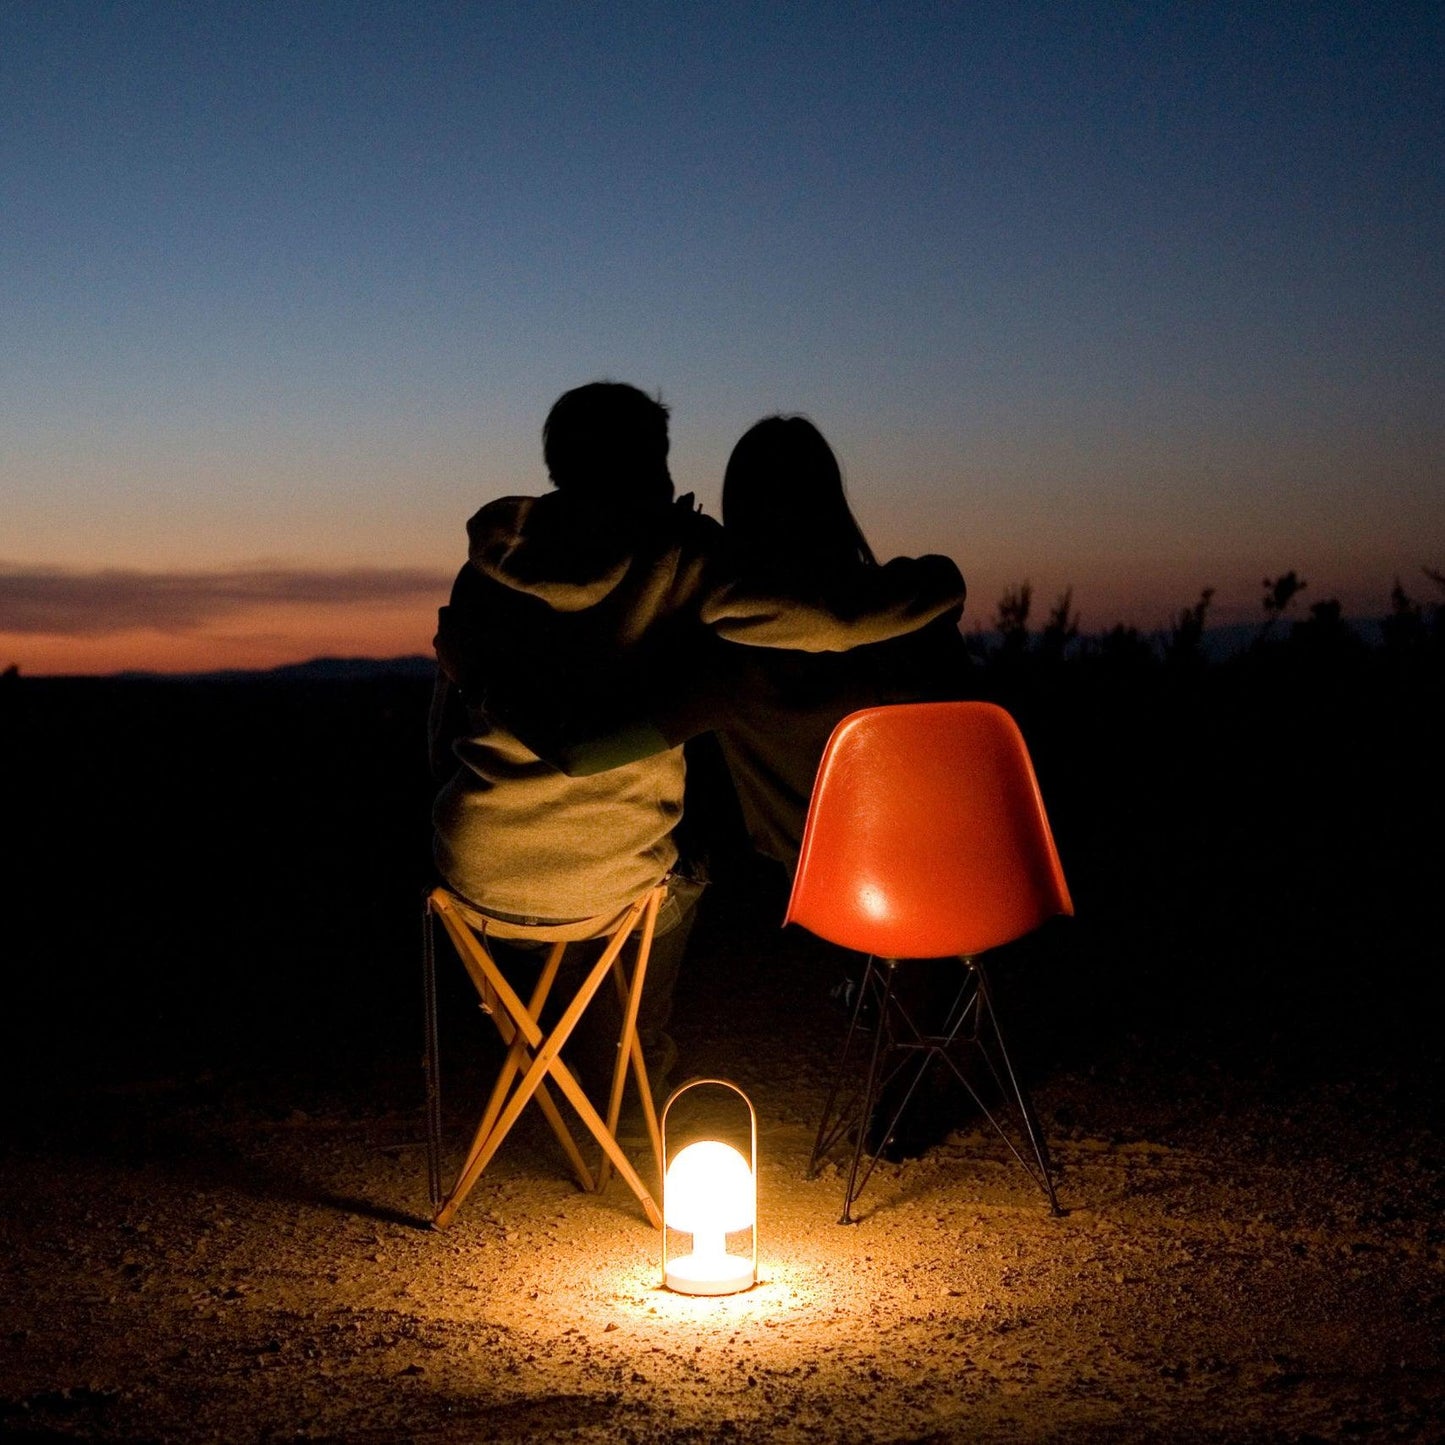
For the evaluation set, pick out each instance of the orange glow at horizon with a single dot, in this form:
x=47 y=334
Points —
x=259 y=638
x=273 y=634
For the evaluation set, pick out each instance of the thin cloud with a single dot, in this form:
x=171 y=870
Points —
x=52 y=601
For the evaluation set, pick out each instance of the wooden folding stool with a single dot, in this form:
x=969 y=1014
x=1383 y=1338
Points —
x=533 y=1057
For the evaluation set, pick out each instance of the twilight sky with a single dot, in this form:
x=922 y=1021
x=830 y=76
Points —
x=1136 y=298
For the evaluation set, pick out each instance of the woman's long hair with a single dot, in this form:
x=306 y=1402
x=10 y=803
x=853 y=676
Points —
x=784 y=506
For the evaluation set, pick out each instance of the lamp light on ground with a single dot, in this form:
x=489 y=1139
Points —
x=710 y=1191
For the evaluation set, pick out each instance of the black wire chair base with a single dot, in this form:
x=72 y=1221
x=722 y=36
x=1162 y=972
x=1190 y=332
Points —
x=901 y=1052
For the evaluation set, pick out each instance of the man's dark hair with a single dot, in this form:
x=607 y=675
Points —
x=608 y=441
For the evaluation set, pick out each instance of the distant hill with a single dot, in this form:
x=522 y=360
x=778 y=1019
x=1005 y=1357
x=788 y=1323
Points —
x=1218 y=644
x=318 y=669
x=330 y=667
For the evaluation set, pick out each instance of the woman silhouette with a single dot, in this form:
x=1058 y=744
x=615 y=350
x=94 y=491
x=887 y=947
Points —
x=786 y=515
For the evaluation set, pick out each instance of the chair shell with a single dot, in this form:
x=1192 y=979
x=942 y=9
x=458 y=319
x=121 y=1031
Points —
x=927 y=835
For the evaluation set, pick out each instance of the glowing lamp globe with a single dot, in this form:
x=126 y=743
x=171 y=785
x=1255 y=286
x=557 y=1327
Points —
x=710 y=1191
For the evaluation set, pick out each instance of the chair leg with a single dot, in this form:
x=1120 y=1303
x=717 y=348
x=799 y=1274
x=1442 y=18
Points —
x=501 y=1004
x=974 y=1006
x=909 y=1039
x=610 y=1147
x=629 y=1050
x=832 y=1126
x=649 y=1107
x=546 y=1060
x=517 y=1023
x=537 y=1057
x=518 y=1056
x=1026 y=1109
x=870 y=1096
x=639 y=1063
x=876 y=988
x=971 y=1024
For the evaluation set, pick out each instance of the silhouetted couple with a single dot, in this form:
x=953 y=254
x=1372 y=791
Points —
x=597 y=627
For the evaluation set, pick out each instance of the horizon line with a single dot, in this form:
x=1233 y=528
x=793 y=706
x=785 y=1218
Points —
x=337 y=666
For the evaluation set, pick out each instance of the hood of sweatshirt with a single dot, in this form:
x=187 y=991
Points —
x=570 y=553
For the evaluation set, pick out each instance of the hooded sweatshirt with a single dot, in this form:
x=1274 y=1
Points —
x=563 y=608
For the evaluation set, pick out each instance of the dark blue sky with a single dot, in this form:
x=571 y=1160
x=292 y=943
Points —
x=1137 y=298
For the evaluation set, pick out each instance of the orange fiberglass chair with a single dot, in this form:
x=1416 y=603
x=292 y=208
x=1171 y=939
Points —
x=927 y=838
x=534 y=1057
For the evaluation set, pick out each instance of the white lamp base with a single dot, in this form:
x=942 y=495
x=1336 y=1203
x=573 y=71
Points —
x=692 y=1274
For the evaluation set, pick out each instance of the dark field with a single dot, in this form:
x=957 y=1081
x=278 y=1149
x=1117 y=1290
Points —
x=211 y=932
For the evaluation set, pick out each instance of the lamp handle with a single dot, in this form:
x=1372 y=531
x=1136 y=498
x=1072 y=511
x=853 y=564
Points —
x=672 y=1098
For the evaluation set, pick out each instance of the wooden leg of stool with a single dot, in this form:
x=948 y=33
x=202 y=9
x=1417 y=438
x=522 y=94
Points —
x=629 y=1050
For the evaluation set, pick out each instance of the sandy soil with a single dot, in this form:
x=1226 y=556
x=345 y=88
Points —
x=243 y=1256
x=212 y=1170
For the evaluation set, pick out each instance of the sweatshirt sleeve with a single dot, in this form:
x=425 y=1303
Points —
x=683 y=694
x=886 y=602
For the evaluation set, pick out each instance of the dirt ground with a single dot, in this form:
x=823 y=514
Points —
x=213 y=1187
x=243 y=1256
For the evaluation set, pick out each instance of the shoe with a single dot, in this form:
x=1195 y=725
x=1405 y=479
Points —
x=892 y=1149
x=927 y=1119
